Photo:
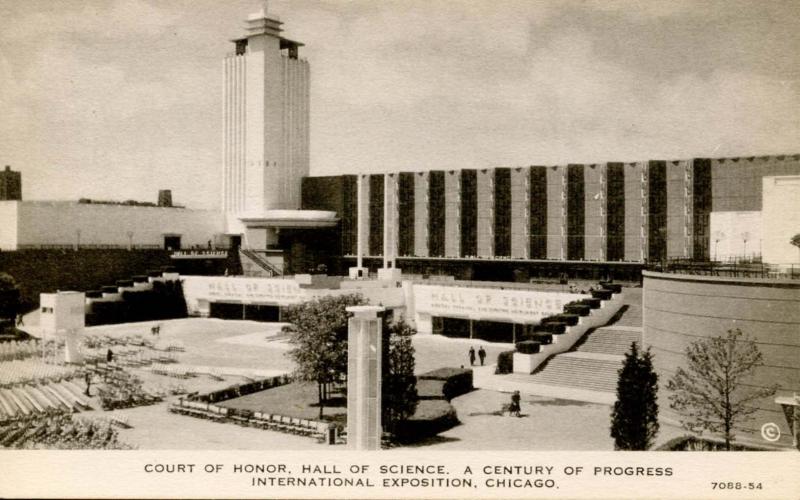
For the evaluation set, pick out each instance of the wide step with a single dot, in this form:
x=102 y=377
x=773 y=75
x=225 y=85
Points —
x=579 y=372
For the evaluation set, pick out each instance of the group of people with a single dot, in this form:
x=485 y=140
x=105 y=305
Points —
x=481 y=355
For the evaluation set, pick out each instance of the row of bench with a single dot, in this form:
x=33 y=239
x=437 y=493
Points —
x=261 y=420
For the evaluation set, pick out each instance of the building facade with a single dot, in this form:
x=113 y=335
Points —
x=607 y=212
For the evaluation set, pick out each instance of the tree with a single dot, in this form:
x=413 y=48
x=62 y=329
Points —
x=318 y=331
x=710 y=393
x=399 y=389
x=795 y=241
x=634 y=420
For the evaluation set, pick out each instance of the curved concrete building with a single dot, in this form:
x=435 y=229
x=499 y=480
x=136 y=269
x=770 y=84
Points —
x=681 y=308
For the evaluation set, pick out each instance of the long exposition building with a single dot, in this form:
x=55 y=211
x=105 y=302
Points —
x=613 y=213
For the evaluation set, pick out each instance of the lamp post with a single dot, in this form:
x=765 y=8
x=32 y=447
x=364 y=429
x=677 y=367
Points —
x=717 y=237
x=130 y=240
x=745 y=237
x=77 y=239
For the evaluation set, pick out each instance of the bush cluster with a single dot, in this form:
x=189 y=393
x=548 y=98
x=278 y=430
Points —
x=457 y=381
x=505 y=362
x=528 y=347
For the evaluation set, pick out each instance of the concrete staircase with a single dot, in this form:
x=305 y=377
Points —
x=615 y=340
x=586 y=371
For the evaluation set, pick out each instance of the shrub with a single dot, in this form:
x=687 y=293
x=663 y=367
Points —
x=602 y=294
x=569 y=319
x=430 y=418
x=593 y=303
x=579 y=309
x=612 y=287
x=430 y=389
x=457 y=381
x=505 y=362
x=528 y=347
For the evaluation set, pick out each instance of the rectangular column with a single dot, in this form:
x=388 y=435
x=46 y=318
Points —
x=485 y=224
x=364 y=371
x=679 y=203
x=657 y=210
x=594 y=181
x=421 y=214
x=452 y=216
x=636 y=211
x=520 y=200
x=557 y=213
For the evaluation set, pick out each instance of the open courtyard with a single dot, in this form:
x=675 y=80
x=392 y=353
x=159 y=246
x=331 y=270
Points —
x=230 y=352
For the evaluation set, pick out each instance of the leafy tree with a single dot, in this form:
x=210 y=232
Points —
x=710 y=393
x=318 y=331
x=399 y=390
x=9 y=296
x=795 y=241
x=634 y=420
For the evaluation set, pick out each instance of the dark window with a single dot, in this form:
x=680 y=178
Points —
x=436 y=214
x=576 y=212
x=502 y=212
x=701 y=201
x=657 y=215
x=405 y=194
x=469 y=213
x=538 y=213
x=241 y=47
x=376 y=214
x=349 y=215
x=615 y=212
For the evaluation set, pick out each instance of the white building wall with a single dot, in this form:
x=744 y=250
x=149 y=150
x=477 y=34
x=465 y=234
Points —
x=780 y=217
x=70 y=223
x=729 y=230
x=8 y=225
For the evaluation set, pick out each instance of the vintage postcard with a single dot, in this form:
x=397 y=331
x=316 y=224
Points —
x=399 y=249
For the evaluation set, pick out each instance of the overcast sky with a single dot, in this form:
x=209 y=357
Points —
x=116 y=99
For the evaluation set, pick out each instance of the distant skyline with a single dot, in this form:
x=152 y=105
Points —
x=116 y=100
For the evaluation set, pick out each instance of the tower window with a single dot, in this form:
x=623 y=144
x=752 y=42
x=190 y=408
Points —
x=241 y=47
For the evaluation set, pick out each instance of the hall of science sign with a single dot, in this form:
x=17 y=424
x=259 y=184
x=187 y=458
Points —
x=513 y=306
x=242 y=290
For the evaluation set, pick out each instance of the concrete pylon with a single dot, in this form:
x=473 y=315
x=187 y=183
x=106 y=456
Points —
x=364 y=373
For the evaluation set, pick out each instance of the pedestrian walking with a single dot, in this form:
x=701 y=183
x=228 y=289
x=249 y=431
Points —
x=109 y=356
x=20 y=320
x=471 y=356
x=515 y=408
x=481 y=354
x=88 y=380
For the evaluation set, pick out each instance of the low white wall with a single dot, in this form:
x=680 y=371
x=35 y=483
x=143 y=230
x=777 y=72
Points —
x=729 y=230
x=58 y=223
x=8 y=225
x=528 y=363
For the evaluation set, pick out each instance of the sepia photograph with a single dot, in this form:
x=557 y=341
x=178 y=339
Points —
x=400 y=249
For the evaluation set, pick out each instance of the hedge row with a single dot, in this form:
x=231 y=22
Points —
x=457 y=381
x=432 y=417
x=164 y=301
x=239 y=390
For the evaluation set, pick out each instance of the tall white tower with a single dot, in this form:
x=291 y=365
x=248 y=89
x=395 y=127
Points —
x=265 y=128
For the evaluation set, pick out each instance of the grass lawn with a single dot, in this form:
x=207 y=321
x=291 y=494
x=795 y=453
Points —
x=298 y=399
